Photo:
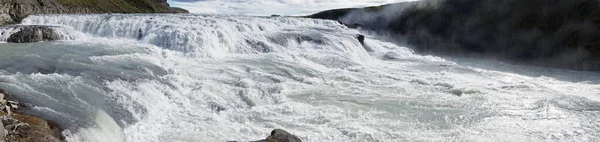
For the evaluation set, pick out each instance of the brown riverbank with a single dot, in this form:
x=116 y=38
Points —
x=22 y=127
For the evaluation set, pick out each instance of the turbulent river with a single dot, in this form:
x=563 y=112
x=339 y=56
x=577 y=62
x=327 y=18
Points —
x=147 y=78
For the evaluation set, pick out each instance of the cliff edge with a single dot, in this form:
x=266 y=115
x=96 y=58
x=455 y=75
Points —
x=551 y=33
x=13 y=11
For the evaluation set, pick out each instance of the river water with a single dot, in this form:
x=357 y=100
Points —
x=146 y=78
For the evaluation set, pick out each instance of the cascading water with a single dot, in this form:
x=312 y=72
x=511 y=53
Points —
x=220 y=77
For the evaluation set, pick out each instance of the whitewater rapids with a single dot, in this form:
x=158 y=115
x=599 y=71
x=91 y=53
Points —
x=145 y=78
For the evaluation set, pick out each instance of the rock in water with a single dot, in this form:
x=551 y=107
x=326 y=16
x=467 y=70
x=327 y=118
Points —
x=353 y=26
x=279 y=135
x=33 y=34
x=361 y=39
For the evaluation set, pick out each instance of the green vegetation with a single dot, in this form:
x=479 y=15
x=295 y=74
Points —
x=116 y=6
x=86 y=3
x=339 y=13
x=13 y=11
x=334 y=14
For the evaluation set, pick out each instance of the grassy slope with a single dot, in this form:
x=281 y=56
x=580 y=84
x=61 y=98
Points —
x=336 y=14
x=116 y=6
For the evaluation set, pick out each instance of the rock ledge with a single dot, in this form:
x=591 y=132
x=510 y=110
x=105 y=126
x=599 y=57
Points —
x=19 y=127
x=33 y=34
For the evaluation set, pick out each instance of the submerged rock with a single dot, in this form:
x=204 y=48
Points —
x=279 y=135
x=33 y=34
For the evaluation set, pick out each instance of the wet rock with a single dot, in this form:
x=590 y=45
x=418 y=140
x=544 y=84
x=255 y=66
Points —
x=3 y=131
x=29 y=128
x=361 y=39
x=279 y=135
x=33 y=34
x=353 y=26
x=22 y=127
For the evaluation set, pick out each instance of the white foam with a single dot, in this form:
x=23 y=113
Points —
x=210 y=78
x=104 y=129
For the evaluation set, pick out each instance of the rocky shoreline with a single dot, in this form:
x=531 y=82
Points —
x=22 y=127
x=19 y=127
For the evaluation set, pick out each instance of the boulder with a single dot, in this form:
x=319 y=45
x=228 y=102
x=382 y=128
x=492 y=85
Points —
x=279 y=135
x=361 y=39
x=33 y=34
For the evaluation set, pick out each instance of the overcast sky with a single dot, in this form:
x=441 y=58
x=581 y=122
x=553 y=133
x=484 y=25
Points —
x=269 y=7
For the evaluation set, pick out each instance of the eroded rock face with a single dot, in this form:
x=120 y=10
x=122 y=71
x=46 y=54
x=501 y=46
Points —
x=19 y=127
x=13 y=11
x=33 y=34
x=28 y=128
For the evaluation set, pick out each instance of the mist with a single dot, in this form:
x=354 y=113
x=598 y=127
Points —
x=551 y=33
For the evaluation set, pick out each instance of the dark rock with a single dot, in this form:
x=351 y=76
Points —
x=140 y=34
x=177 y=10
x=279 y=135
x=353 y=26
x=335 y=14
x=361 y=39
x=33 y=34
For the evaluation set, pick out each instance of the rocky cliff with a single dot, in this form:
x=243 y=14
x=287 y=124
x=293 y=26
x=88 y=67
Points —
x=552 y=33
x=13 y=11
